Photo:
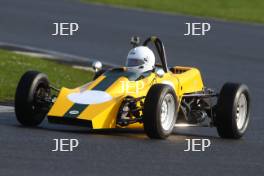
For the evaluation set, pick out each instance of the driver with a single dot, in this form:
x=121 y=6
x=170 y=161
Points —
x=140 y=59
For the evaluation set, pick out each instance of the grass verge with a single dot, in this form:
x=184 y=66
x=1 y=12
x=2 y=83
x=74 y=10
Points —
x=12 y=66
x=238 y=10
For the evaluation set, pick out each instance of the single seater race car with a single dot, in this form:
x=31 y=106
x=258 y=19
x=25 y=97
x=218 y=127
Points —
x=157 y=99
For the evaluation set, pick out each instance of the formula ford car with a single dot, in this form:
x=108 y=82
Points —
x=156 y=100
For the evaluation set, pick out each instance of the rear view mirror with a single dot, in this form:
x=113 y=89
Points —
x=160 y=72
x=97 y=66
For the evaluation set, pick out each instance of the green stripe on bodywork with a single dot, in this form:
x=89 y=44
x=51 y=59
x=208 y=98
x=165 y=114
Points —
x=113 y=75
x=105 y=83
x=75 y=107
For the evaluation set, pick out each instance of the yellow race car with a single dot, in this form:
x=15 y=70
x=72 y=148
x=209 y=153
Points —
x=157 y=100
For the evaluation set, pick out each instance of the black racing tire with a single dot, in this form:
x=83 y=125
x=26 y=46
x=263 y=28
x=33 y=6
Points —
x=153 y=109
x=233 y=111
x=28 y=113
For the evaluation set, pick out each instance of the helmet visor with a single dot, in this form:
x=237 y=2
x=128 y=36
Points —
x=134 y=62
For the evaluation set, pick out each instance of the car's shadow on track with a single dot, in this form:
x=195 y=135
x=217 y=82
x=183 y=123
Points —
x=137 y=134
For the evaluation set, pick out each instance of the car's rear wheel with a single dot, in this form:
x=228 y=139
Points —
x=160 y=111
x=32 y=89
x=232 y=112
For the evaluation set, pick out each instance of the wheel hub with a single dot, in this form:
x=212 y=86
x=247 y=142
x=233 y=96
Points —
x=241 y=111
x=167 y=111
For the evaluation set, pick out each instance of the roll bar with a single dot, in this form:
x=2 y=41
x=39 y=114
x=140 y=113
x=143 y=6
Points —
x=160 y=49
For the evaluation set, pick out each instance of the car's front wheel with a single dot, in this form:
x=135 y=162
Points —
x=160 y=111
x=32 y=89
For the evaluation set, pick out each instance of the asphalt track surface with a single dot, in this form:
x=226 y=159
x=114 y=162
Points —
x=230 y=52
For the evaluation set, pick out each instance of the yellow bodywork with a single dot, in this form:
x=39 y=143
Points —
x=103 y=115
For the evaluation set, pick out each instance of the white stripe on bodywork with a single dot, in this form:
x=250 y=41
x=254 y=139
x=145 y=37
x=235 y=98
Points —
x=90 y=97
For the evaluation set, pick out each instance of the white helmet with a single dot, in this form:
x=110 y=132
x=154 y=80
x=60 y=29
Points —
x=140 y=59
